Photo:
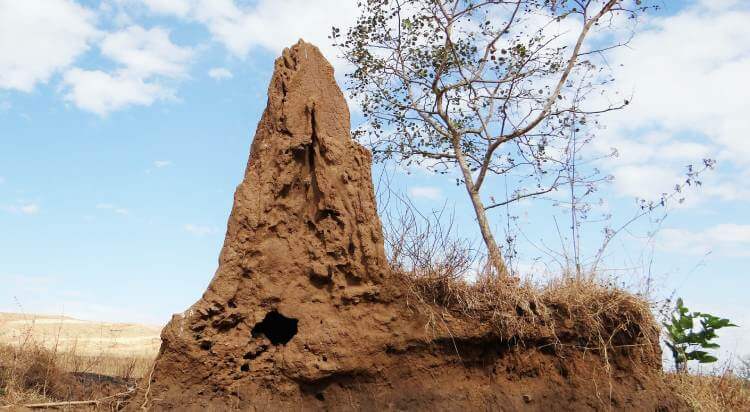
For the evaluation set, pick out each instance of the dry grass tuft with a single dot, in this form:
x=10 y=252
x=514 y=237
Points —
x=725 y=392
x=600 y=314
x=579 y=312
x=573 y=310
x=30 y=375
x=509 y=309
x=33 y=374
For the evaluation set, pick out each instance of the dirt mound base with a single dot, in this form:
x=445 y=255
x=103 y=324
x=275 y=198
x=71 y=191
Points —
x=304 y=314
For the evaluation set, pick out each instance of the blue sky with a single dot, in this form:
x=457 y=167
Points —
x=125 y=126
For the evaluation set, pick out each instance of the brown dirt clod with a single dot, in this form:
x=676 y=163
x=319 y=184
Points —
x=304 y=314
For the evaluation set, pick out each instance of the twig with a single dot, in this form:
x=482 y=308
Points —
x=148 y=388
x=70 y=403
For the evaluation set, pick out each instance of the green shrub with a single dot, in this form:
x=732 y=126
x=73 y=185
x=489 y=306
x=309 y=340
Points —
x=688 y=344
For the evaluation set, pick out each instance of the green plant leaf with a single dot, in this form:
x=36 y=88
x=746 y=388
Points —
x=707 y=359
x=687 y=344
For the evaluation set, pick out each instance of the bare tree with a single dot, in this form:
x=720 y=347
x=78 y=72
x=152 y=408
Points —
x=486 y=87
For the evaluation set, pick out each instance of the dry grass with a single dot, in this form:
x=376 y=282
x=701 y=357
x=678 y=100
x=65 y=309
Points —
x=581 y=312
x=55 y=358
x=601 y=314
x=433 y=266
x=121 y=367
x=32 y=374
x=52 y=358
x=725 y=392
x=86 y=338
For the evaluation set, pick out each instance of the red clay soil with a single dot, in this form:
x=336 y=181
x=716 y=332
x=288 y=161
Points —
x=302 y=313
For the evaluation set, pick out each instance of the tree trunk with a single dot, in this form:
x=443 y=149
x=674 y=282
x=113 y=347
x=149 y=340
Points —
x=496 y=258
x=680 y=360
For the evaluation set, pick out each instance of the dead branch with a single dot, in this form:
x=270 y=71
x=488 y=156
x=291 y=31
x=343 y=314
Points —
x=64 y=404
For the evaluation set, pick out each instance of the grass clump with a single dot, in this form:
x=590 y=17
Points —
x=577 y=312
x=723 y=392
x=445 y=279
x=31 y=374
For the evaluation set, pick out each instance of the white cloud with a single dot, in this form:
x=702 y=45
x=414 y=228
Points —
x=146 y=53
x=162 y=163
x=727 y=239
x=178 y=8
x=101 y=93
x=39 y=38
x=425 y=192
x=2 y=180
x=200 y=230
x=645 y=181
x=270 y=24
x=147 y=57
x=687 y=73
x=220 y=73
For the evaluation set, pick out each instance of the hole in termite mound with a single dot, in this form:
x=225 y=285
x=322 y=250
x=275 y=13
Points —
x=278 y=328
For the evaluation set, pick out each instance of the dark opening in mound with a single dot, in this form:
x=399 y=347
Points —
x=276 y=327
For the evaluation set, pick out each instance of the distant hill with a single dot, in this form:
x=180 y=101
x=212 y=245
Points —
x=85 y=338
